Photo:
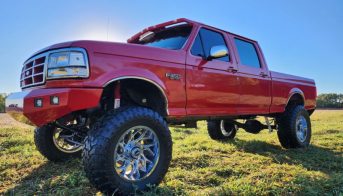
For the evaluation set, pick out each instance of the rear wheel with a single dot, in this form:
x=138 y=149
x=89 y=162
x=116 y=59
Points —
x=127 y=151
x=221 y=129
x=294 y=128
x=57 y=144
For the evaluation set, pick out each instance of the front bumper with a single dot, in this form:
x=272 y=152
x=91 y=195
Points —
x=15 y=101
x=70 y=100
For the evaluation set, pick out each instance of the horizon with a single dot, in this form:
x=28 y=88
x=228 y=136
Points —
x=298 y=38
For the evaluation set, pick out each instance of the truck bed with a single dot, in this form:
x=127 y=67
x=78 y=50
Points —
x=284 y=85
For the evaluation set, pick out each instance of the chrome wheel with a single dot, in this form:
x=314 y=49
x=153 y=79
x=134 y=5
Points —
x=66 y=141
x=137 y=153
x=301 y=128
x=223 y=130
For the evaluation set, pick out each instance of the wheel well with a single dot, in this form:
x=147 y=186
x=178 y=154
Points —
x=136 y=92
x=295 y=99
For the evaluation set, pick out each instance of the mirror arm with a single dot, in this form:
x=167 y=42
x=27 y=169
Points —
x=209 y=58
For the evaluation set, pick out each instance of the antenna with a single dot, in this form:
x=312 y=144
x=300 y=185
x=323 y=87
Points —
x=108 y=26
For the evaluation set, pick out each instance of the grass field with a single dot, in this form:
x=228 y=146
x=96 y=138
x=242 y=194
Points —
x=250 y=164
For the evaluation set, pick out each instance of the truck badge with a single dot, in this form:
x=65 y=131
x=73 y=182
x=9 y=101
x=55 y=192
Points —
x=173 y=76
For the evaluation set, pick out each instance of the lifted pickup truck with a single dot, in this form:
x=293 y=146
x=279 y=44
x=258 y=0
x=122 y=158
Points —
x=113 y=102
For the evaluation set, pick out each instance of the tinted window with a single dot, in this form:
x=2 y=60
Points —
x=171 y=38
x=205 y=40
x=247 y=53
x=197 y=49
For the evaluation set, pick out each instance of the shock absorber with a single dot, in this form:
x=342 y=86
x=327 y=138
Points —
x=117 y=95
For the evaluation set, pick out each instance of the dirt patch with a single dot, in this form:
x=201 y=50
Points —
x=6 y=121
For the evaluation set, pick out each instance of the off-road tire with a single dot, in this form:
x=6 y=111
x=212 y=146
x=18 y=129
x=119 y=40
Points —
x=98 y=152
x=287 y=127
x=43 y=137
x=215 y=132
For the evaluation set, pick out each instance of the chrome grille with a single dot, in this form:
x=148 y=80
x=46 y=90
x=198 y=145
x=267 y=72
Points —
x=33 y=72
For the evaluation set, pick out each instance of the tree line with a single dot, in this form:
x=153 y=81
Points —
x=2 y=104
x=328 y=100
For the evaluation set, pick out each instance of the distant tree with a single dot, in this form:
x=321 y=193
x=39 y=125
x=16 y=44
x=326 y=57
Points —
x=2 y=104
x=330 y=100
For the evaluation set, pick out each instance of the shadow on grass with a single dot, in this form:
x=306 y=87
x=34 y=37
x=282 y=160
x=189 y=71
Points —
x=312 y=158
x=185 y=131
x=69 y=179
x=66 y=178
x=54 y=178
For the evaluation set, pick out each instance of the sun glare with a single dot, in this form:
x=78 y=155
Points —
x=101 y=33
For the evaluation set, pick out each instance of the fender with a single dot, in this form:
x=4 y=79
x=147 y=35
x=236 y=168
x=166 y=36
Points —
x=141 y=74
x=294 y=91
x=137 y=74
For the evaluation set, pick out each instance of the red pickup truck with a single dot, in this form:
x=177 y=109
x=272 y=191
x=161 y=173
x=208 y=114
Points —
x=113 y=102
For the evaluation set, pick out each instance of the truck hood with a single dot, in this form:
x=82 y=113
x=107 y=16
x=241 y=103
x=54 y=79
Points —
x=123 y=49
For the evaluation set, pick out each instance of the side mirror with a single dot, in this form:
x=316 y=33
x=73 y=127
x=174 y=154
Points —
x=218 y=52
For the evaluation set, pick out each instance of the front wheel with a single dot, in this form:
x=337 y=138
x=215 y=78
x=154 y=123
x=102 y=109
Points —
x=127 y=151
x=294 y=128
x=56 y=144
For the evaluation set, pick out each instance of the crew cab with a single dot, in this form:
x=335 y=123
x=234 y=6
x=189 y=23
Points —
x=113 y=102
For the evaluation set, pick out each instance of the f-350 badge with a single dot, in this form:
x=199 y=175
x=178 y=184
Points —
x=173 y=76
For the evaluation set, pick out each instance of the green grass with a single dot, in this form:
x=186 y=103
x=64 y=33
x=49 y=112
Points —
x=249 y=165
x=20 y=118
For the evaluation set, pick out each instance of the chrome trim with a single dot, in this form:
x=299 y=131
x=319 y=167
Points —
x=218 y=51
x=225 y=132
x=145 y=79
x=222 y=129
x=137 y=153
x=46 y=63
x=33 y=66
x=15 y=101
x=301 y=128
x=65 y=143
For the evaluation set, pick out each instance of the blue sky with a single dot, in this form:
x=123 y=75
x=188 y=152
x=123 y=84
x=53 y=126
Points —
x=298 y=37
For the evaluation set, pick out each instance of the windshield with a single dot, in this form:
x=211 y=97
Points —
x=170 y=38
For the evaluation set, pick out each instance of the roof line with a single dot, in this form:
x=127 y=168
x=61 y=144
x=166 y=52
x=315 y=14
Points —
x=179 y=20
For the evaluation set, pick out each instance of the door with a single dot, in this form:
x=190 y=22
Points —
x=254 y=78
x=211 y=85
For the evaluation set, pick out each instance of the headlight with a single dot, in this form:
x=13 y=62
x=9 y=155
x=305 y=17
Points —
x=68 y=63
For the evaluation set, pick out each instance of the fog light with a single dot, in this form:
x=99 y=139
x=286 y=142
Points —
x=54 y=100
x=38 y=102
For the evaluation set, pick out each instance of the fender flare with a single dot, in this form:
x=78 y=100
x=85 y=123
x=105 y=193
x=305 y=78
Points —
x=295 y=91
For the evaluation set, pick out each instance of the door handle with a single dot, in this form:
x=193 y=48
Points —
x=232 y=69
x=263 y=75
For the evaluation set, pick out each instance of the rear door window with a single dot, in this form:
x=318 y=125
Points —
x=247 y=53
